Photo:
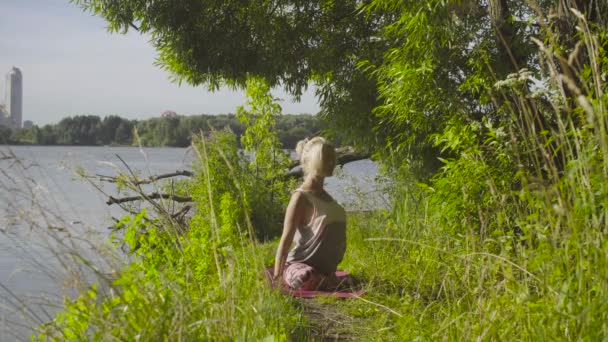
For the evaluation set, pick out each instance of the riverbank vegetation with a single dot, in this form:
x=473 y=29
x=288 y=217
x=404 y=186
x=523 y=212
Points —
x=489 y=119
x=175 y=131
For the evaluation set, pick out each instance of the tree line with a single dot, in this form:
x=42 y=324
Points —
x=162 y=131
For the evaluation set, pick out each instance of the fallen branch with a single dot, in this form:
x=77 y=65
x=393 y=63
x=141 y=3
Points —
x=154 y=195
x=151 y=179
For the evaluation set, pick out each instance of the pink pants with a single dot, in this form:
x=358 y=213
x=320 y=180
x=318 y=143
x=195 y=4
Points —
x=299 y=276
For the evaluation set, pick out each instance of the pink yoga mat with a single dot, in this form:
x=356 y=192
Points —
x=347 y=293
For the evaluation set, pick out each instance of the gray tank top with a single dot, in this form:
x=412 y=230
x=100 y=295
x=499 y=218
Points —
x=322 y=242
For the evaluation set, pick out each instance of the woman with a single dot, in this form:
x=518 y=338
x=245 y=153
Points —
x=316 y=221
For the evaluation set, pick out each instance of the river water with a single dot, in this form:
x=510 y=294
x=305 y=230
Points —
x=45 y=206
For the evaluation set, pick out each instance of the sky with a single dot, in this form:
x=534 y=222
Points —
x=72 y=66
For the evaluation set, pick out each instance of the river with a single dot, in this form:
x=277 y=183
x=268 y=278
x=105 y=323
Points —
x=45 y=204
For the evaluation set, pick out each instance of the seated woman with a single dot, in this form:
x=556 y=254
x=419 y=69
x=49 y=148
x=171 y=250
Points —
x=315 y=221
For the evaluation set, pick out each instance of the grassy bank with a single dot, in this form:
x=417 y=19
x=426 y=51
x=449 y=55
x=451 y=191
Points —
x=508 y=241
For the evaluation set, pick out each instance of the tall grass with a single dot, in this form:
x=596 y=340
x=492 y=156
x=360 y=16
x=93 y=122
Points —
x=508 y=241
x=205 y=282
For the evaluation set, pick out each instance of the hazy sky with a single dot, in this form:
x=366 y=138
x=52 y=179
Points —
x=71 y=65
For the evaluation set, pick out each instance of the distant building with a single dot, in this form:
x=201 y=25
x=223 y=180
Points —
x=14 y=97
x=27 y=124
x=168 y=114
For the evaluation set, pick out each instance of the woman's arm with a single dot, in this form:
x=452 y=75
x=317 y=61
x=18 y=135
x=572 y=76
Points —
x=294 y=215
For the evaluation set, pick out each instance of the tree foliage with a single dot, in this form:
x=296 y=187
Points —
x=269 y=161
x=289 y=43
x=402 y=68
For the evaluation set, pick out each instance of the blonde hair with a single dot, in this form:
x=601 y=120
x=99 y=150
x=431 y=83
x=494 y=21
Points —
x=317 y=156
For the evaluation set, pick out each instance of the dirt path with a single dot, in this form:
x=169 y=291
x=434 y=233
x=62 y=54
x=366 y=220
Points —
x=330 y=323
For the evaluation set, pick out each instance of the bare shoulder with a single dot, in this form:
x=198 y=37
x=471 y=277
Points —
x=297 y=209
x=299 y=201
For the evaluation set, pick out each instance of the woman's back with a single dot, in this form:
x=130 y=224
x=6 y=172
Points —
x=322 y=242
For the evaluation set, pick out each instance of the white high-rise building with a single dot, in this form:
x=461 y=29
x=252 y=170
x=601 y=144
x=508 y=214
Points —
x=14 y=97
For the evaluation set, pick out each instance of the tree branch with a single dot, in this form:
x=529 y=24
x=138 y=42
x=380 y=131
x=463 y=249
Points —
x=134 y=26
x=345 y=156
x=154 y=195
x=148 y=180
x=183 y=211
